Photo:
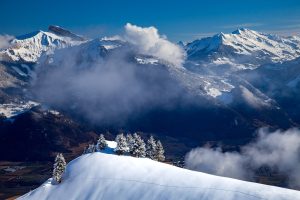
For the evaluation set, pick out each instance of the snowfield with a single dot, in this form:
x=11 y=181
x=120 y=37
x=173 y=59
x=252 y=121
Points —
x=106 y=176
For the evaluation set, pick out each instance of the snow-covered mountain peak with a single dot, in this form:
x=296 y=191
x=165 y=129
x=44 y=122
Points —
x=221 y=34
x=29 y=47
x=241 y=31
x=243 y=48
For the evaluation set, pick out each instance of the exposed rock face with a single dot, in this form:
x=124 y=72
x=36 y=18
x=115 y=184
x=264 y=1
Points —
x=63 y=32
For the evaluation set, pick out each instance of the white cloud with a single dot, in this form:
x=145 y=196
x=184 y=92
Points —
x=279 y=150
x=149 y=42
x=214 y=161
x=5 y=41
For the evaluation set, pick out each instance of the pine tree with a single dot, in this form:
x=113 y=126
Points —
x=139 y=147
x=130 y=142
x=91 y=148
x=84 y=150
x=151 y=148
x=159 y=152
x=101 y=143
x=59 y=167
x=122 y=146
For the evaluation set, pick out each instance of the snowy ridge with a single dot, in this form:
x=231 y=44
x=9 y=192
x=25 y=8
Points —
x=244 y=48
x=105 y=176
x=29 y=47
x=215 y=59
x=12 y=109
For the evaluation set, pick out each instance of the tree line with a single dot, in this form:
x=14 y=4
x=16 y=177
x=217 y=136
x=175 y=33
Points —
x=130 y=144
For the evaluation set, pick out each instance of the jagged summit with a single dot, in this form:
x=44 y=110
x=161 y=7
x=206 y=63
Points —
x=64 y=32
x=242 y=30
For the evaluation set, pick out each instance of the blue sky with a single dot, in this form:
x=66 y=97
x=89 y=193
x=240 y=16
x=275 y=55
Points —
x=178 y=20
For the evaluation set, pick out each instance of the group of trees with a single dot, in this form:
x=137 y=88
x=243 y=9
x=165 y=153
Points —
x=100 y=145
x=130 y=144
x=135 y=146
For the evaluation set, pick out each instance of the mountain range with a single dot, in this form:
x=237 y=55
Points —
x=228 y=86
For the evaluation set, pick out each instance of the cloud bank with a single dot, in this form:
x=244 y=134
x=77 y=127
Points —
x=214 y=161
x=279 y=150
x=148 y=41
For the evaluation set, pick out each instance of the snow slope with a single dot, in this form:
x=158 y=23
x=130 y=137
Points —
x=106 y=176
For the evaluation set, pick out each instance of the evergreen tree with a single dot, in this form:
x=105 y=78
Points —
x=84 y=150
x=122 y=146
x=159 y=152
x=130 y=142
x=101 y=143
x=91 y=148
x=139 y=147
x=59 y=167
x=151 y=148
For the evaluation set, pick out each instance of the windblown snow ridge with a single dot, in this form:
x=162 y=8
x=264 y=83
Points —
x=106 y=176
